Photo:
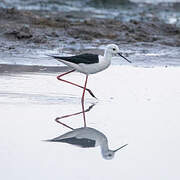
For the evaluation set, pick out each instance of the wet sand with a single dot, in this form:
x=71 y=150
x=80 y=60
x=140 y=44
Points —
x=45 y=27
x=11 y=69
x=138 y=106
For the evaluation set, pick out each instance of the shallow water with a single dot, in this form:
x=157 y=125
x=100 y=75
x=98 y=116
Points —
x=138 y=106
x=141 y=54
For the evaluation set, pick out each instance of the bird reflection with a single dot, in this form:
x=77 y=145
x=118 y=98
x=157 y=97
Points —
x=85 y=137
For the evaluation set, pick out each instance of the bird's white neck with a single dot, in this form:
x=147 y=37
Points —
x=104 y=146
x=108 y=56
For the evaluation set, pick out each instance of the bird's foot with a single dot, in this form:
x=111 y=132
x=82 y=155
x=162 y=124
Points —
x=90 y=92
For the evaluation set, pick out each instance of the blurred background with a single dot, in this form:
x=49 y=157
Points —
x=32 y=28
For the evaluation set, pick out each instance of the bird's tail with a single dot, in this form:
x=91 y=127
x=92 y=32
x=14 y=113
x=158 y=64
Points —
x=49 y=140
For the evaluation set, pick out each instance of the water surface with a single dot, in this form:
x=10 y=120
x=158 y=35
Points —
x=138 y=106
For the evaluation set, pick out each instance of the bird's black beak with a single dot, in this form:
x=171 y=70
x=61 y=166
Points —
x=124 y=57
x=120 y=148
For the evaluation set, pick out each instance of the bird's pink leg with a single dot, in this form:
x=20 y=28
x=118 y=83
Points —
x=83 y=111
x=59 y=78
x=69 y=115
x=57 y=120
x=82 y=101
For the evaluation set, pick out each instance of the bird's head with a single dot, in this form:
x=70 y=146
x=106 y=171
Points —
x=113 y=49
x=109 y=154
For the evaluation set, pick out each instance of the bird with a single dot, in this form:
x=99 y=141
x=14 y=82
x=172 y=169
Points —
x=87 y=137
x=88 y=64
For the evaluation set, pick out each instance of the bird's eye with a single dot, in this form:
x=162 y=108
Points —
x=114 y=49
x=109 y=155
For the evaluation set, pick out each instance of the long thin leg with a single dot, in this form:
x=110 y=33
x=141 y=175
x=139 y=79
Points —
x=57 y=120
x=82 y=101
x=59 y=78
x=74 y=114
x=77 y=113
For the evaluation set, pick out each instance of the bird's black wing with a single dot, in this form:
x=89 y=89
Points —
x=83 y=142
x=82 y=58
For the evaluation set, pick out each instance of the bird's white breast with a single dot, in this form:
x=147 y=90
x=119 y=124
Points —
x=94 y=68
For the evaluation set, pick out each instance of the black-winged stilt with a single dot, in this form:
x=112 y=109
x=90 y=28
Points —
x=88 y=64
x=86 y=137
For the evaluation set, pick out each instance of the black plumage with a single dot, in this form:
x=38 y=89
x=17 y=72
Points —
x=82 y=58
x=83 y=142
